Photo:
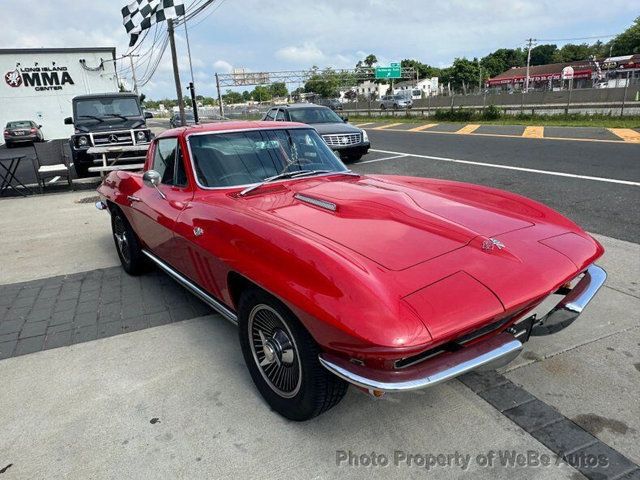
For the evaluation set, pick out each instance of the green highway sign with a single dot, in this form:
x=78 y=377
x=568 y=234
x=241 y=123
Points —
x=393 y=71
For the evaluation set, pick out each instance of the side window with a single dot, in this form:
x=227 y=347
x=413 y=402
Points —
x=280 y=116
x=271 y=114
x=167 y=161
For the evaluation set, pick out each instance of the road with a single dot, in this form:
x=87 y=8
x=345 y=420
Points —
x=602 y=206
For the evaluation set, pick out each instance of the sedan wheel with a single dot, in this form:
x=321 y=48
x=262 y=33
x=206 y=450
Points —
x=282 y=359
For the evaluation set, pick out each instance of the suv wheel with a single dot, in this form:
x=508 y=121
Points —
x=282 y=359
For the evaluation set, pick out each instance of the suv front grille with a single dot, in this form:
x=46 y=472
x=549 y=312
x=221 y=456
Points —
x=341 y=140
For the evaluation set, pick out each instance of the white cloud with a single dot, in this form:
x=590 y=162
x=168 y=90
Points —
x=222 y=66
x=306 y=54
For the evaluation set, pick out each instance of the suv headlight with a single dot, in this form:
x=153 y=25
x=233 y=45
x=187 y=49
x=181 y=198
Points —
x=365 y=137
x=141 y=135
x=83 y=141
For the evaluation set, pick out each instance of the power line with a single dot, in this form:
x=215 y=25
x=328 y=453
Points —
x=573 y=39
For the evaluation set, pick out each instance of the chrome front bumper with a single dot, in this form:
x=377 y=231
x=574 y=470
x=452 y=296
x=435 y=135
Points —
x=572 y=305
x=489 y=354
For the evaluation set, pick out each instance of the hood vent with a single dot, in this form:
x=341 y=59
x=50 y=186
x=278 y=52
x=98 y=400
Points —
x=316 y=202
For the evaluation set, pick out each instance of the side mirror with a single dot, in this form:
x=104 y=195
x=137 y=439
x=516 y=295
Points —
x=68 y=121
x=345 y=119
x=148 y=114
x=151 y=178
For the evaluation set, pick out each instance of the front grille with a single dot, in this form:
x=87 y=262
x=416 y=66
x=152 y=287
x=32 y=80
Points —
x=112 y=138
x=341 y=140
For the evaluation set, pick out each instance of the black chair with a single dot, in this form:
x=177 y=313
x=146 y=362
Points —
x=51 y=161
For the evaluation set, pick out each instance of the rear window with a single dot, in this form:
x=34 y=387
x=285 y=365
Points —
x=20 y=124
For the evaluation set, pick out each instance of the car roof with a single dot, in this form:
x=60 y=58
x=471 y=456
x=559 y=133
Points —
x=239 y=125
x=104 y=95
x=300 y=106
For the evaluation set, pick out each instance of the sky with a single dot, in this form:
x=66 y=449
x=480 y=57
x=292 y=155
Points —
x=272 y=35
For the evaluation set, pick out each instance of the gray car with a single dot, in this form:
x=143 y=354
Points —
x=395 y=102
x=349 y=141
x=22 y=131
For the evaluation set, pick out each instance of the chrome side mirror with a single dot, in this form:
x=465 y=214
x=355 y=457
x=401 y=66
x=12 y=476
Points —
x=151 y=178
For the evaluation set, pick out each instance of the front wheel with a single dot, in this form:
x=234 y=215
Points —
x=127 y=244
x=282 y=359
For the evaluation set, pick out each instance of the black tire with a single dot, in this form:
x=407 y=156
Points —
x=127 y=244
x=301 y=388
x=9 y=145
x=351 y=158
x=383 y=107
x=82 y=171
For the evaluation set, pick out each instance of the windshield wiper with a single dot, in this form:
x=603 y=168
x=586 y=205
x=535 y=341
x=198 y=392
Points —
x=91 y=116
x=116 y=115
x=296 y=174
x=273 y=178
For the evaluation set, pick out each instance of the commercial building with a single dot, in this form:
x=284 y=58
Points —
x=38 y=84
x=596 y=73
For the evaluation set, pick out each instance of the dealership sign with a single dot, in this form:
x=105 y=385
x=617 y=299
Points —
x=39 y=78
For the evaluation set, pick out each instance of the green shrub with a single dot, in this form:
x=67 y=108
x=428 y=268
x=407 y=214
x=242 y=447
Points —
x=491 y=113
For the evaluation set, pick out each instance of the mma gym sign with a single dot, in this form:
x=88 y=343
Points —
x=39 y=78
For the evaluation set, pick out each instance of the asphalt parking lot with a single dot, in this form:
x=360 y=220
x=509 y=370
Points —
x=104 y=375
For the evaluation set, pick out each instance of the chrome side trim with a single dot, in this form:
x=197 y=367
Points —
x=193 y=288
x=571 y=306
x=489 y=354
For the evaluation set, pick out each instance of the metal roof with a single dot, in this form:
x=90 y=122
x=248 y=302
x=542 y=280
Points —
x=111 y=50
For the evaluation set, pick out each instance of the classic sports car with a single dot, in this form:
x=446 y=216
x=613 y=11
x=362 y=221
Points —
x=388 y=283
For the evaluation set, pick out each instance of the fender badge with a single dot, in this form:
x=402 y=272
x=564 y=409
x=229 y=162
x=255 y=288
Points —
x=492 y=243
x=197 y=231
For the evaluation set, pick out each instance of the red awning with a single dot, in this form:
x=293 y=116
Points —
x=537 y=78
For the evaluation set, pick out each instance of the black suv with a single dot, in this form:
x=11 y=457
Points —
x=350 y=142
x=105 y=120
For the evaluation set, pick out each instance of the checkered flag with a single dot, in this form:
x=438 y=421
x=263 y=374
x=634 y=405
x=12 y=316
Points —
x=141 y=14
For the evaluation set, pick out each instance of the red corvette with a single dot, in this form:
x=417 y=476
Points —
x=385 y=282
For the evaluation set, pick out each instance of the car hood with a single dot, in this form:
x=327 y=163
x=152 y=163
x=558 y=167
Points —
x=108 y=124
x=395 y=226
x=328 y=128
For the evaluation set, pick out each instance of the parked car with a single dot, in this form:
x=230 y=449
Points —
x=349 y=141
x=22 y=131
x=388 y=283
x=332 y=103
x=109 y=120
x=395 y=102
x=189 y=118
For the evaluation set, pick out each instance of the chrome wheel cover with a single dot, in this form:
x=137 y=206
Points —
x=274 y=351
x=122 y=241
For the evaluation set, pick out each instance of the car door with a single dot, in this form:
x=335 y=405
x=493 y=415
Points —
x=157 y=209
x=280 y=115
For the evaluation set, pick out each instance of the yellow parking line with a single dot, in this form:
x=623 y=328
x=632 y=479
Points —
x=533 y=132
x=389 y=125
x=626 y=134
x=422 y=127
x=468 y=129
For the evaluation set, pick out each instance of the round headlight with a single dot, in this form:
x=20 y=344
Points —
x=83 y=141
x=140 y=135
x=365 y=137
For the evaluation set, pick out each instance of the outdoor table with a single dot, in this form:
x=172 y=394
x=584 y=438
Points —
x=8 y=178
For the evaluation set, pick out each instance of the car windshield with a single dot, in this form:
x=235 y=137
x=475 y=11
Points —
x=20 y=124
x=107 y=107
x=245 y=158
x=314 y=115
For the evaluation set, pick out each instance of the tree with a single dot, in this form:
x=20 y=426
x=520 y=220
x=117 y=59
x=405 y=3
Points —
x=261 y=93
x=278 y=89
x=628 y=42
x=572 y=53
x=543 y=54
x=325 y=83
x=423 y=70
x=246 y=96
x=370 y=60
x=142 y=98
x=463 y=74
x=232 y=97
x=502 y=60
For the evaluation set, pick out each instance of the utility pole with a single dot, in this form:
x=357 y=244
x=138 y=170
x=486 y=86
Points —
x=133 y=73
x=220 y=107
x=176 y=73
x=479 y=77
x=526 y=82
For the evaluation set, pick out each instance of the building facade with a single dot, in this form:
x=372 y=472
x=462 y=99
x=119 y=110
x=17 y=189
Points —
x=38 y=84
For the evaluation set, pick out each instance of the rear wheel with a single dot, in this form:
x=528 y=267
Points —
x=127 y=244
x=351 y=157
x=282 y=359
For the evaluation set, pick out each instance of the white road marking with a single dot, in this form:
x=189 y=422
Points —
x=504 y=167
x=381 y=159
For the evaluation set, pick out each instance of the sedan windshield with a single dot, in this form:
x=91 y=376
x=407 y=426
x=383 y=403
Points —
x=245 y=158
x=314 y=115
